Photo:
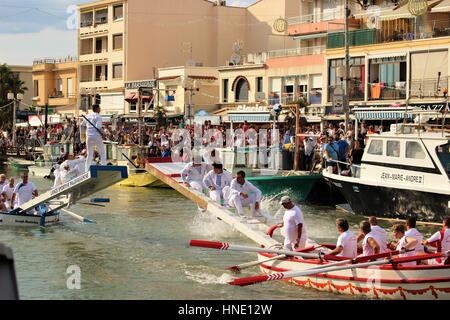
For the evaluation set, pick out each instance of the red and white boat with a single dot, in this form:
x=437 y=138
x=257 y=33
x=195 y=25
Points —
x=390 y=281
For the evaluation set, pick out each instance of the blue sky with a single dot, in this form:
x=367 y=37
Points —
x=32 y=29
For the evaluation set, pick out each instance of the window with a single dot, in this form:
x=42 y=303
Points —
x=36 y=88
x=118 y=12
x=118 y=42
x=133 y=106
x=69 y=87
x=117 y=71
x=241 y=91
x=376 y=147
x=225 y=90
x=393 y=149
x=60 y=87
x=414 y=150
x=443 y=153
x=259 y=84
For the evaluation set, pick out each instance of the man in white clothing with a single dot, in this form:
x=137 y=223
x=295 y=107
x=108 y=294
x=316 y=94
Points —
x=216 y=180
x=441 y=240
x=370 y=242
x=6 y=195
x=70 y=168
x=23 y=192
x=347 y=245
x=3 y=181
x=293 y=225
x=193 y=174
x=411 y=231
x=244 y=194
x=380 y=233
x=94 y=136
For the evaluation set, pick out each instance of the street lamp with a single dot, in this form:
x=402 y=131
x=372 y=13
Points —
x=16 y=101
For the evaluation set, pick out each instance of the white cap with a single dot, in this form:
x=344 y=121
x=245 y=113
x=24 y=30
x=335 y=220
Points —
x=285 y=200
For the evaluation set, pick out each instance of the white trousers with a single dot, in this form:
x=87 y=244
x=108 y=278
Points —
x=96 y=142
x=216 y=196
x=236 y=201
x=196 y=185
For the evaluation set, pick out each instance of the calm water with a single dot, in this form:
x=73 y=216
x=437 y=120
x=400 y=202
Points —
x=138 y=250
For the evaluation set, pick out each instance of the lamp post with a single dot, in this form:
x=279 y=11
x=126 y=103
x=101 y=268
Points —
x=16 y=100
x=347 y=67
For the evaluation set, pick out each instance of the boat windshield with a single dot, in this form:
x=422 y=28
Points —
x=443 y=153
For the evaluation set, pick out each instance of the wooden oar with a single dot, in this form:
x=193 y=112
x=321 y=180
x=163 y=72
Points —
x=293 y=274
x=239 y=267
x=77 y=217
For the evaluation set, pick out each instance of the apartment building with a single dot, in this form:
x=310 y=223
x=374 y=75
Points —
x=102 y=55
x=398 y=59
x=25 y=74
x=55 y=84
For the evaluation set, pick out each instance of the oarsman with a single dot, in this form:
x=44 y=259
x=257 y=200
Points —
x=380 y=233
x=193 y=174
x=23 y=192
x=244 y=194
x=216 y=180
x=441 y=240
x=406 y=245
x=411 y=231
x=6 y=195
x=370 y=244
x=293 y=225
x=70 y=168
x=3 y=181
x=94 y=138
x=347 y=244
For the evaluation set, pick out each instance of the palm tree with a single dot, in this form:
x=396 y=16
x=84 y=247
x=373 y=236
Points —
x=9 y=82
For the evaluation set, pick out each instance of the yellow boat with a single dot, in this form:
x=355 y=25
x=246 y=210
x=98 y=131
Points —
x=141 y=178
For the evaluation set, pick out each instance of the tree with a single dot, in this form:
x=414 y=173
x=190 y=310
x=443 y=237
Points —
x=9 y=82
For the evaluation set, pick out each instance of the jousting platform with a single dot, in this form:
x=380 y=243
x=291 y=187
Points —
x=254 y=228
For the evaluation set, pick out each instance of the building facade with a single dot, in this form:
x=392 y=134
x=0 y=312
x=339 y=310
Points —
x=55 y=84
x=25 y=74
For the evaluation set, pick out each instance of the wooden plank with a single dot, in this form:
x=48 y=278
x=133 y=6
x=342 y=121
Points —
x=201 y=202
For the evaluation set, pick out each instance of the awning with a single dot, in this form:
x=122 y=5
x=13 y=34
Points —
x=444 y=6
x=249 y=117
x=168 y=78
x=202 y=78
x=310 y=36
x=132 y=96
x=389 y=113
x=313 y=119
x=400 y=13
x=387 y=55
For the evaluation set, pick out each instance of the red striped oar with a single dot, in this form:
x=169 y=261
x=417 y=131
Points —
x=293 y=274
x=232 y=247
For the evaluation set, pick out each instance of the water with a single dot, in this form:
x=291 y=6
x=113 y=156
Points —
x=138 y=249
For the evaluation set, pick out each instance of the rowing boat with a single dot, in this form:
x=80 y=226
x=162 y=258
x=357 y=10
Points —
x=27 y=220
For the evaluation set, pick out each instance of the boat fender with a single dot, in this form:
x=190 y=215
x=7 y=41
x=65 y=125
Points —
x=272 y=230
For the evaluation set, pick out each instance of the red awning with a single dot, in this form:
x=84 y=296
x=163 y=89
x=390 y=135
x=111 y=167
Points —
x=147 y=98
x=132 y=96
x=203 y=78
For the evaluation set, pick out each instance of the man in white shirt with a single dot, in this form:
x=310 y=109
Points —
x=244 y=194
x=370 y=243
x=441 y=239
x=2 y=181
x=380 y=233
x=70 y=168
x=94 y=137
x=411 y=231
x=5 y=194
x=293 y=225
x=347 y=244
x=23 y=192
x=216 y=180
x=193 y=174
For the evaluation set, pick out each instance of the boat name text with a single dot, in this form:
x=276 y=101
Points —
x=402 y=177
x=71 y=183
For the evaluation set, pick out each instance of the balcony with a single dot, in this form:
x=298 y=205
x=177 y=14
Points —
x=320 y=23
x=296 y=52
x=313 y=18
x=101 y=17
x=61 y=100
x=356 y=92
x=429 y=88
x=431 y=30
x=387 y=91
